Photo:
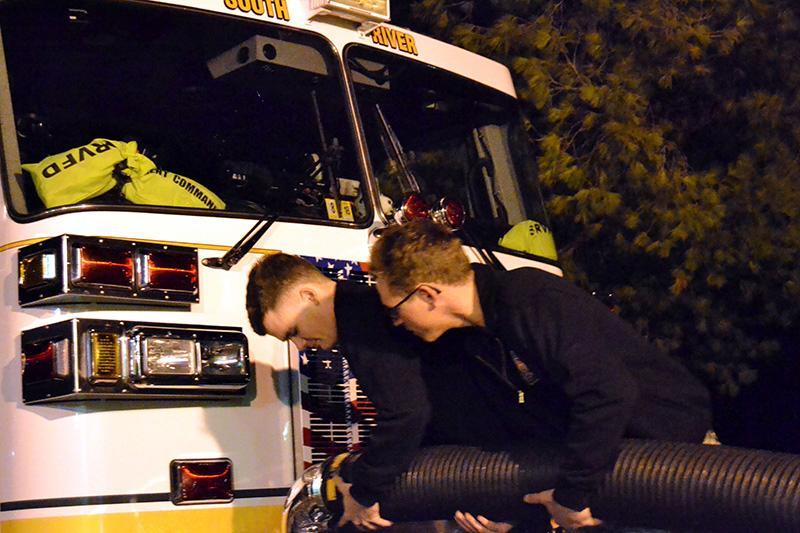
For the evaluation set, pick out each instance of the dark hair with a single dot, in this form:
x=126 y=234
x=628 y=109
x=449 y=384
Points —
x=269 y=278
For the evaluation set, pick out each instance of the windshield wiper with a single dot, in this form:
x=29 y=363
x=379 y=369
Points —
x=331 y=156
x=245 y=244
x=394 y=151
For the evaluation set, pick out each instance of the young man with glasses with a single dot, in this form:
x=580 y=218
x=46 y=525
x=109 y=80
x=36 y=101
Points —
x=551 y=363
x=290 y=299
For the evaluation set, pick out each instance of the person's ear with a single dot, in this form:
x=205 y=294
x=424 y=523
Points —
x=429 y=296
x=307 y=294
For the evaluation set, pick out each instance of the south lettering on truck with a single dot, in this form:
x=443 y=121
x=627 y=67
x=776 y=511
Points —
x=136 y=395
x=274 y=9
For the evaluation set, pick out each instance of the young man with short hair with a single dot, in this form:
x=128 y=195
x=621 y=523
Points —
x=558 y=365
x=292 y=300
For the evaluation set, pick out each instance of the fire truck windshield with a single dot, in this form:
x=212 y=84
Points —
x=432 y=132
x=135 y=106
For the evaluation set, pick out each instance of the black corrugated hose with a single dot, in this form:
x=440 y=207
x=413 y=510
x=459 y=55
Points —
x=667 y=485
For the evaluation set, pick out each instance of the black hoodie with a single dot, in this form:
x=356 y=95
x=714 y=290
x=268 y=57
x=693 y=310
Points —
x=386 y=363
x=566 y=369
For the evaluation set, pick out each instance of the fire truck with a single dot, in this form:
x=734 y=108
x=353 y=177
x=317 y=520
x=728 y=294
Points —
x=152 y=151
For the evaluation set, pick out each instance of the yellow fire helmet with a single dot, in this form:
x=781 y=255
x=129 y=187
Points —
x=530 y=237
x=152 y=186
x=80 y=173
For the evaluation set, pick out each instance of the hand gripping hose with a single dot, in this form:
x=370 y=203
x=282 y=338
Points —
x=667 y=485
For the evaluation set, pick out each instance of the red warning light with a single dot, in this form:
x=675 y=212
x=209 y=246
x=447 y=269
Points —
x=169 y=271
x=98 y=265
x=43 y=361
x=201 y=481
x=414 y=207
x=449 y=212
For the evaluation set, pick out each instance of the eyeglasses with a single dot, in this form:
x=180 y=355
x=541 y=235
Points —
x=394 y=311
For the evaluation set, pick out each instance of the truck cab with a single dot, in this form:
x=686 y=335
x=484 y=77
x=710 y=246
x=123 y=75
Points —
x=140 y=141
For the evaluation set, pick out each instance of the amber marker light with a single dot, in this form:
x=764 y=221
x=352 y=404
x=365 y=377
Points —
x=106 y=359
x=201 y=481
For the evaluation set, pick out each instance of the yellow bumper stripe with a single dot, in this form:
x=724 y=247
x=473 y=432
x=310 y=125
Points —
x=257 y=519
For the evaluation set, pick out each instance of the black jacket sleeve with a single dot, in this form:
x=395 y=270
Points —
x=578 y=355
x=388 y=371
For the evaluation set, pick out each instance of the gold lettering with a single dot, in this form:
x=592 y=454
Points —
x=392 y=35
x=412 y=46
x=282 y=10
x=401 y=42
x=394 y=39
x=384 y=40
x=273 y=8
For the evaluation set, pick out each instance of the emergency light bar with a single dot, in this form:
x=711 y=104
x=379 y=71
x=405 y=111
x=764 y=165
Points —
x=357 y=10
x=86 y=359
x=70 y=269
